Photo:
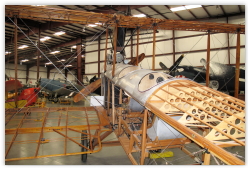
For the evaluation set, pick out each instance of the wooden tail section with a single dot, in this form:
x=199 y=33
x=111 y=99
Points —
x=220 y=115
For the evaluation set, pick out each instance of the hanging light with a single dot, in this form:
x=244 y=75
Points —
x=59 y=33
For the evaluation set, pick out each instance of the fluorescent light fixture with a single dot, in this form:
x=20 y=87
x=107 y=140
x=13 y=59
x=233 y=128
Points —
x=59 y=33
x=45 y=38
x=180 y=8
x=7 y=52
x=48 y=63
x=54 y=52
x=92 y=25
x=98 y=23
x=192 y=6
x=81 y=56
x=37 y=5
x=74 y=46
x=36 y=57
x=68 y=65
x=139 y=15
x=22 y=47
x=24 y=60
x=61 y=60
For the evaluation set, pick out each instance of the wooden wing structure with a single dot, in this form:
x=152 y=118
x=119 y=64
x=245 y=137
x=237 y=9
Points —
x=198 y=114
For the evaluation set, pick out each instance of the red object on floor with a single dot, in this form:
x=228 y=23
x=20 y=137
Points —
x=30 y=95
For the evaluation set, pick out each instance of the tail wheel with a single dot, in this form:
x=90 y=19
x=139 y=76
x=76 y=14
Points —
x=84 y=142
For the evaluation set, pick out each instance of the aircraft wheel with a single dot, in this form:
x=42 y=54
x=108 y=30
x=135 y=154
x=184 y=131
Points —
x=50 y=98
x=55 y=100
x=84 y=142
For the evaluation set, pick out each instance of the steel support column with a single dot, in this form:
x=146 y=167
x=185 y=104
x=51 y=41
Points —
x=79 y=63
x=27 y=73
x=228 y=46
x=208 y=58
x=154 y=37
x=48 y=72
x=237 y=66
x=137 y=46
x=16 y=58
x=38 y=53
x=173 y=46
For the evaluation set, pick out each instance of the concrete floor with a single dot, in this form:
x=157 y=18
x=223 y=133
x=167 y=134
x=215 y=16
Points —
x=108 y=155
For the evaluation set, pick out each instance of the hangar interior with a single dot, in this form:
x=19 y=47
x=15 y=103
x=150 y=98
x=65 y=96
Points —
x=35 y=50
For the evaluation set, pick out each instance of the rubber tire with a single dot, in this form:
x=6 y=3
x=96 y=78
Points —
x=84 y=143
x=55 y=100
x=50 y=98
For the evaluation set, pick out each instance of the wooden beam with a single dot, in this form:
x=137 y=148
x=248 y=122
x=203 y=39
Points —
x=115 y=48
x=81 y=17
x=144 y=135
x=207 y=157
x=237 y=66
x=106 y=49
x=173 y=45
x=99 y=56
x=208 y=59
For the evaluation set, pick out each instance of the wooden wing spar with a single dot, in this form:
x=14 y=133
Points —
x=222 y=117
x=83 y=17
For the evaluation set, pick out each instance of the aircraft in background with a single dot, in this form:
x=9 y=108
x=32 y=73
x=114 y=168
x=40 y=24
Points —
x=220 y=75
x=56 y=88
x=26 y=96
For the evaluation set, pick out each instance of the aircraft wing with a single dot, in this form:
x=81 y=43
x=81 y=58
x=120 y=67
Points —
x=11 y=84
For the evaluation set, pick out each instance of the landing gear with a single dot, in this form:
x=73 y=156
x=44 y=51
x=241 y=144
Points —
x=84 y=142
x=55 y=100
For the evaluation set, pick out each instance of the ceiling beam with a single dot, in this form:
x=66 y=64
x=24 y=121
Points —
x=206 y=11
x=240 y=9
x=191 y=12
x=52 y=48
x=158 y=12
x=143 y=13
x=174 y=12
x=115 y=8
x=46 y=26
x=224 y=13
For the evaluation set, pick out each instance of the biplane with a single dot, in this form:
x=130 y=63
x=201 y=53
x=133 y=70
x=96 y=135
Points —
x=150 y=112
